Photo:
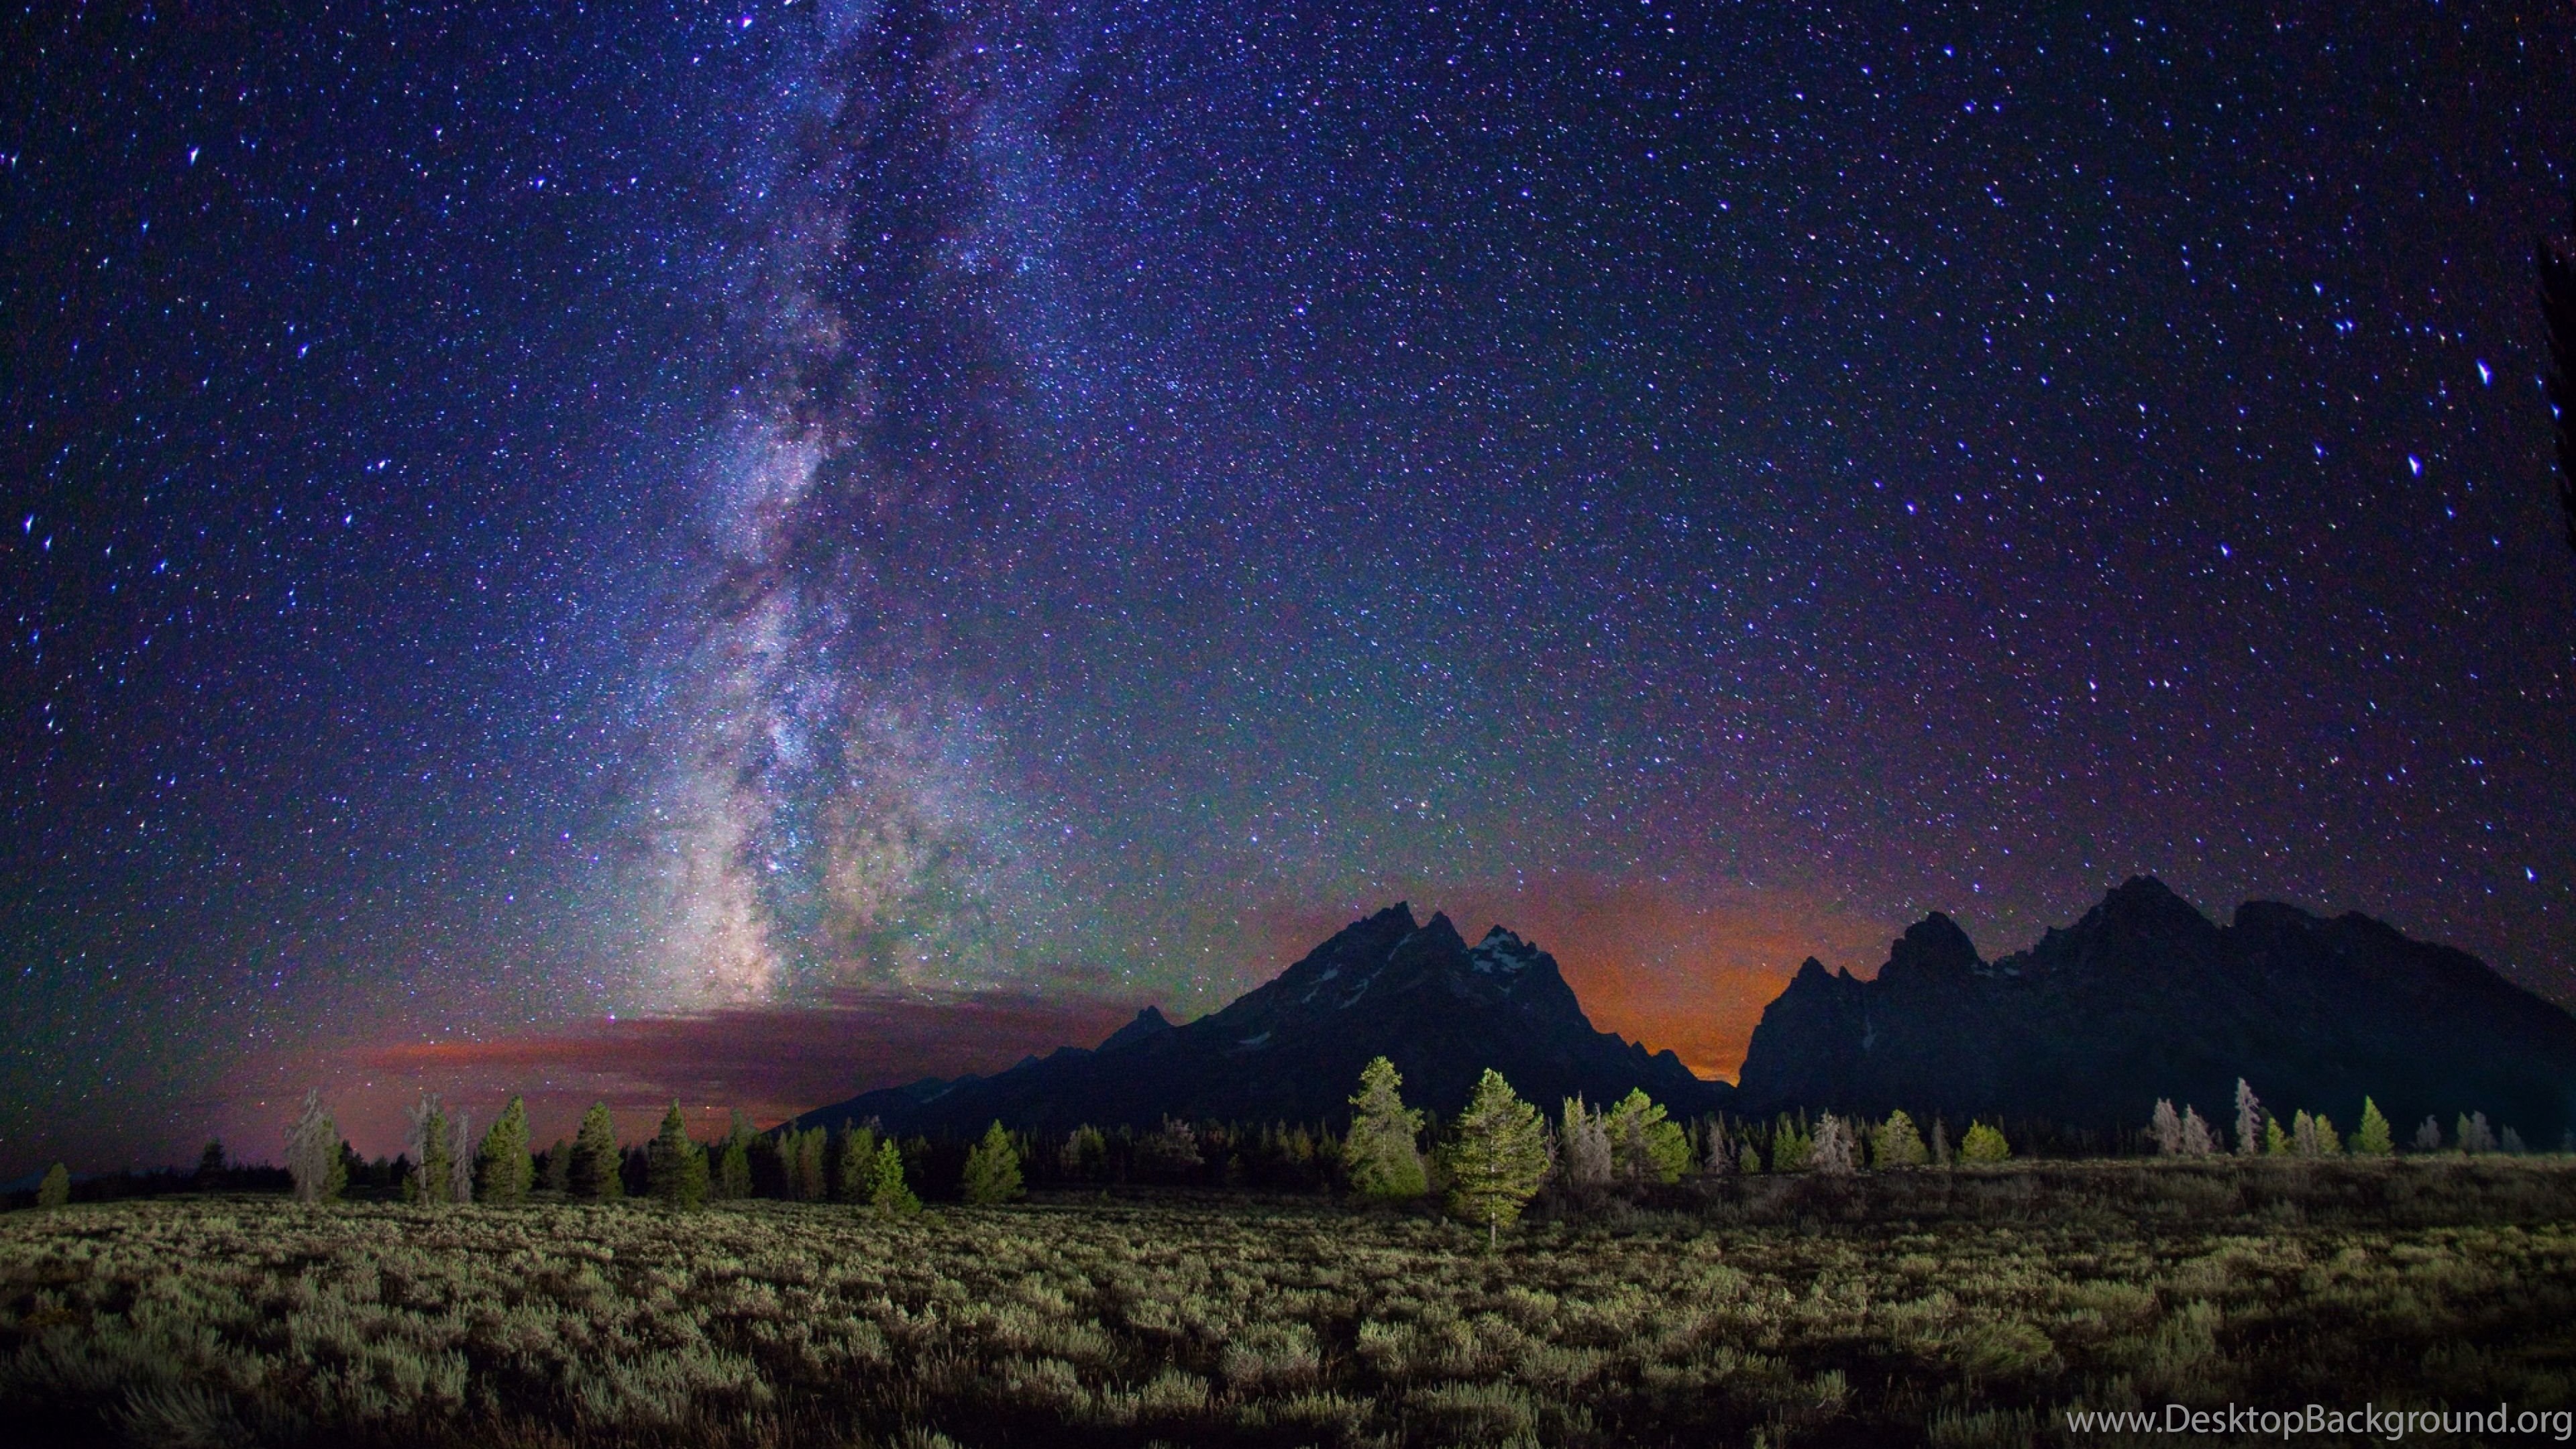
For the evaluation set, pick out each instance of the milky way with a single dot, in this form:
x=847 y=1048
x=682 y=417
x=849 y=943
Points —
x=535 y=517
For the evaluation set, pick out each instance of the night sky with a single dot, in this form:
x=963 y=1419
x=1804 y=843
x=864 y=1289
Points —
x=880 y=537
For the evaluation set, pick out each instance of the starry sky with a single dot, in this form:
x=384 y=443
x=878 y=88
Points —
x=752 y=551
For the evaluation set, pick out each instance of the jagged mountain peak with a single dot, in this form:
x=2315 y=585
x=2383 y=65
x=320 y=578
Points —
x=2146 y=997
x=1149 y=1024
x=1291 y=1049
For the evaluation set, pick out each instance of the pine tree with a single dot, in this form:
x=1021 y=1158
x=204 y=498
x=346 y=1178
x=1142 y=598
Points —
x=2475 y=1134
x=886 y=1190
x=595 y=1159
x=313 y=1154
x=1085 y=1152
x=460 y=1159
x=210 y=1166
x=2328 y=1144
x=557 y=1177
x=2276 y=1143
x=1645 y=1146
x=2428 y=1136
x=1583 y=1146
x=733 y=1166
x=1790 y=1144
x=2373 y=1139
x=851 y=1160
x=1720 y=1157
x=502 y=1167
x=1837 y=1149
x=1984 y=1144
x=2199 y=1139
x=2165 y=1129
x=2249 y=1121
x=1384 y=1163
x=675 y=1167
x=1499 y=1157
x=1940 y=1143
x=2303 y=1134
x=56 y=1190
x=1895 y=1143
x=993 y=1169
x=433 y=1176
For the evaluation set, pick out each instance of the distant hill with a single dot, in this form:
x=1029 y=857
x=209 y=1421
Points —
x=2145 y=998
x=1291 y=1050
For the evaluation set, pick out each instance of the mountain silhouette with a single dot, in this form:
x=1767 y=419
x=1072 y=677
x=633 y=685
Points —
x=1291 y=1050
x=2146 y=998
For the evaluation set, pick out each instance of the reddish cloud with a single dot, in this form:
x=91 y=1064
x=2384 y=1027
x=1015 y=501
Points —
x=770 y=1062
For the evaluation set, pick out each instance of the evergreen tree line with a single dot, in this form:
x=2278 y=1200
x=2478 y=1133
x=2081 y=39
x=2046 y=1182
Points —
x=2263 y=1133
x=1391 y=1153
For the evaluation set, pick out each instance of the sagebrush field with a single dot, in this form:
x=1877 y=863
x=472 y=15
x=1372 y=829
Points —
x=1956 y=1307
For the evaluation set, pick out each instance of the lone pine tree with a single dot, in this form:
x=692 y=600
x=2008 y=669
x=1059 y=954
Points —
x=56 y=1189
x=1498 y=1158
x=887 y=1192
x=1384 y=1164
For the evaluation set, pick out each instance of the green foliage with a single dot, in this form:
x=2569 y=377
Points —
x=557 y=1177
x=1791 y=1144
x=56 y=1189
x=732 y=1176
x=594 y=1172
x=1955 y=1310
x=887 y=1192
x=993 y=1169
x=433 y=1173
x=502 y=1167
x=675 y=1167
x=1380 y=1155
x=1644 y=1145
x=803 y=1153
x=2276 y=1142
x=1085 y=1153
x=1498 y=1158
x=850 y=1163
x=1984 y=1143
x=1895 y=1143
x=2374 y=1138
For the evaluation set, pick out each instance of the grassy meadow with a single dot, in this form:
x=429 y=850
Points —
x=1954 y=1307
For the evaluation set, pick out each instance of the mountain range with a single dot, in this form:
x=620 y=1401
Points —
x=2143 y=998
